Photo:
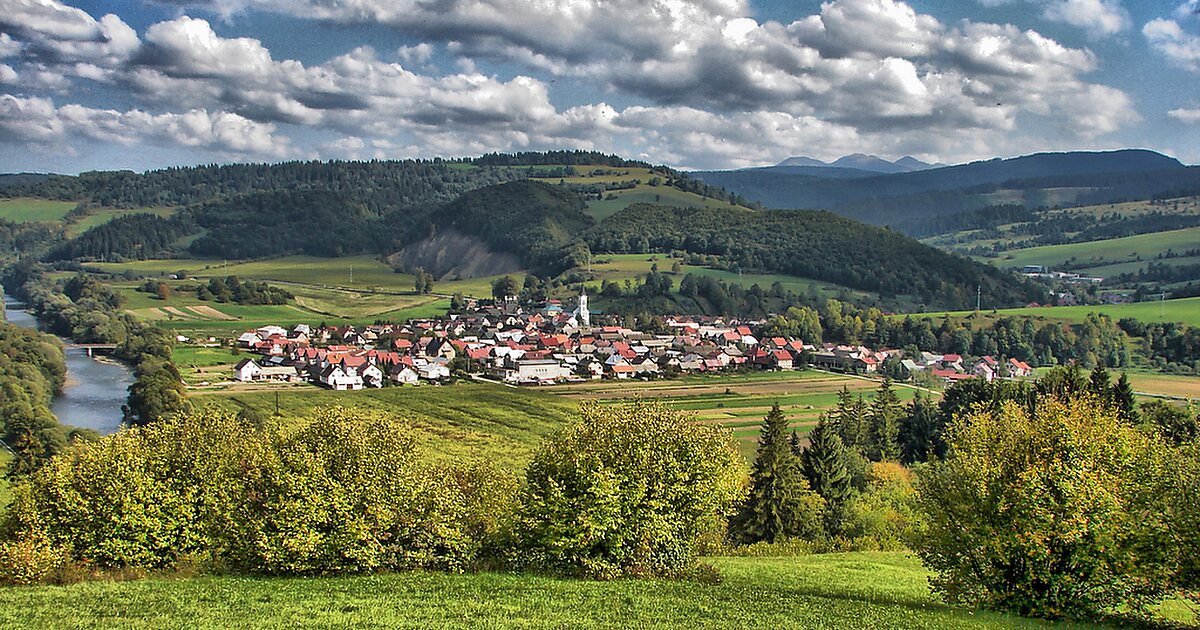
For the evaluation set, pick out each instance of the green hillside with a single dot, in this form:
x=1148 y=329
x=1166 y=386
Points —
x=1094 y=254
x=1186 y=310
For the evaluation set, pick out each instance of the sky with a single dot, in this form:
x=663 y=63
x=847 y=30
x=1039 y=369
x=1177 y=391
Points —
x=701 y=84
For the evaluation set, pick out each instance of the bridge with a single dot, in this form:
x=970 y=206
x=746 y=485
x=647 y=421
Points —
x=92 y=348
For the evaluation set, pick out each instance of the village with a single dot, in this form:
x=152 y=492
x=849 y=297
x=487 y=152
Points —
x=545 y=345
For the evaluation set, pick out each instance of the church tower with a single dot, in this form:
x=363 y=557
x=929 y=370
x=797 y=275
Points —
x=585 y=318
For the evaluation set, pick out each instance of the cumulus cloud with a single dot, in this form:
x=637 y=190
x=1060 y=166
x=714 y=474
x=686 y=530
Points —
x=1184 y=115
x=709 y=81
x=38 y=120
x=55 y=33
x=1178 y=46
x=1097 y=17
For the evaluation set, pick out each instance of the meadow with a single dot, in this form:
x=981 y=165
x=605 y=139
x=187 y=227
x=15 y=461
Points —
x=464 y=420
x=621 y=267
x=851 y=590
x=23 y=209
x=643 y=193
x=738 y=401
x=1186 y=310
x=1095 y=254
x=100 y=216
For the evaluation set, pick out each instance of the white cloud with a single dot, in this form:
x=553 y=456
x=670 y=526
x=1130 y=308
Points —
x=1184 y=115
x=55 y=33
x=1097 y=17
x=1178 y=46
x=38 y=120
x=710 y=82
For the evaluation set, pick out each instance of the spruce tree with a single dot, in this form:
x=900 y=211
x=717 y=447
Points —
x=920 y=431
x=1098 y=384
x=1122 y=400
x=884 y=424
x=826 y=467
x=780 y=503
x=850 y=418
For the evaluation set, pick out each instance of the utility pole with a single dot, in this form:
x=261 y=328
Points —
x=1162 y=302
x=351 y=274
x=978 y=294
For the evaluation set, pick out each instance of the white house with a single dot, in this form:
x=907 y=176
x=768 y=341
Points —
x=371 y=375
x=247 y=370
x=249 y=339
x=433 y=371
x=537 y=370
x=403 y=375
x=337 y=378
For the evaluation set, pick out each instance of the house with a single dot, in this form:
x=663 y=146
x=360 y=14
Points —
x=403 y=375
x=247 y=370
x=1019 y=368
x=338 y=379
x=984 y=371
x=249 y=339
x=536 y=371
x=371 y=375
x=433 y=371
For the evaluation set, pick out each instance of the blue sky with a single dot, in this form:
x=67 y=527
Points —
x=143 y=84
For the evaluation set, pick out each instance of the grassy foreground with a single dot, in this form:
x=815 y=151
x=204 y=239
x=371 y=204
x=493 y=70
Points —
x=854 y=590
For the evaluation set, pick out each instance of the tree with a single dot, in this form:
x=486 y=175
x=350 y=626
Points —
x=1054 y=513
x=1174 y=424
x=162 y=291
x=849 y=417
x=156 y=393
x=1122 y=400
x=884 y=422
x=628 y=490
x=504 y=287
x=780 y=503
x=920 y=431
x=826 y=467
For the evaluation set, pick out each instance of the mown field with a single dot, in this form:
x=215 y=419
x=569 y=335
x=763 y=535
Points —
x=23 y=209
x=1186 y=310
x=738 y=401
x=465 y=420
x=1095 y=254
x=642 y=193
x=621 y=267
x=852 y=590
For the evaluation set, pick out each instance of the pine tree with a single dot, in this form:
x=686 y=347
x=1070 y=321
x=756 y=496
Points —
x=1098 y=384
x=826 y=467
x=920 y=431
x=780 y=503
x=1122 y=400
x=884 y=424
x=850 y=419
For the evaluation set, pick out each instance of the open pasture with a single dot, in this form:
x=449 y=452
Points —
x=621 y=267
x=642 y=193
x=22 y=209
x=1094 y=254
x=1186 y=310
x=100 y=216
x=464 y=420
x=738 y=401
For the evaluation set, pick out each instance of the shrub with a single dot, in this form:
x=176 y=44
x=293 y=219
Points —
x=886 y=512
x=1054 y=514
x=29 y=561
x=341 y=492
x=628 y=491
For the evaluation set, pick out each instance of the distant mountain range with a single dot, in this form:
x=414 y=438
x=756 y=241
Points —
x=862 y=162
x=1033 y=181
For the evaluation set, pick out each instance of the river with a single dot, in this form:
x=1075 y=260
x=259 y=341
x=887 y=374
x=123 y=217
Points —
x=95 y=389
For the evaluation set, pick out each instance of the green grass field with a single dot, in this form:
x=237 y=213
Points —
x=23 y=209
x=853 y=590
x=1095 y=254
x=738 y=401
x=471 y=420
x=1186 y=310
x=643 y=193
x=621 y=267
x=101 y=216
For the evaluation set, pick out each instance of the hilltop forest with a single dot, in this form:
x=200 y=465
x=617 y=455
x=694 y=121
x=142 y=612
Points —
x=259 y=211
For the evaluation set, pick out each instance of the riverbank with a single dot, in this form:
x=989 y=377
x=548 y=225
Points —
x=96 y=388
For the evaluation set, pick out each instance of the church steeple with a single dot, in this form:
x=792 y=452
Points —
x=581 y=313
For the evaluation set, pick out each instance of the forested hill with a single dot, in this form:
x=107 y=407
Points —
x=813 y=244
x=1078 y=178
